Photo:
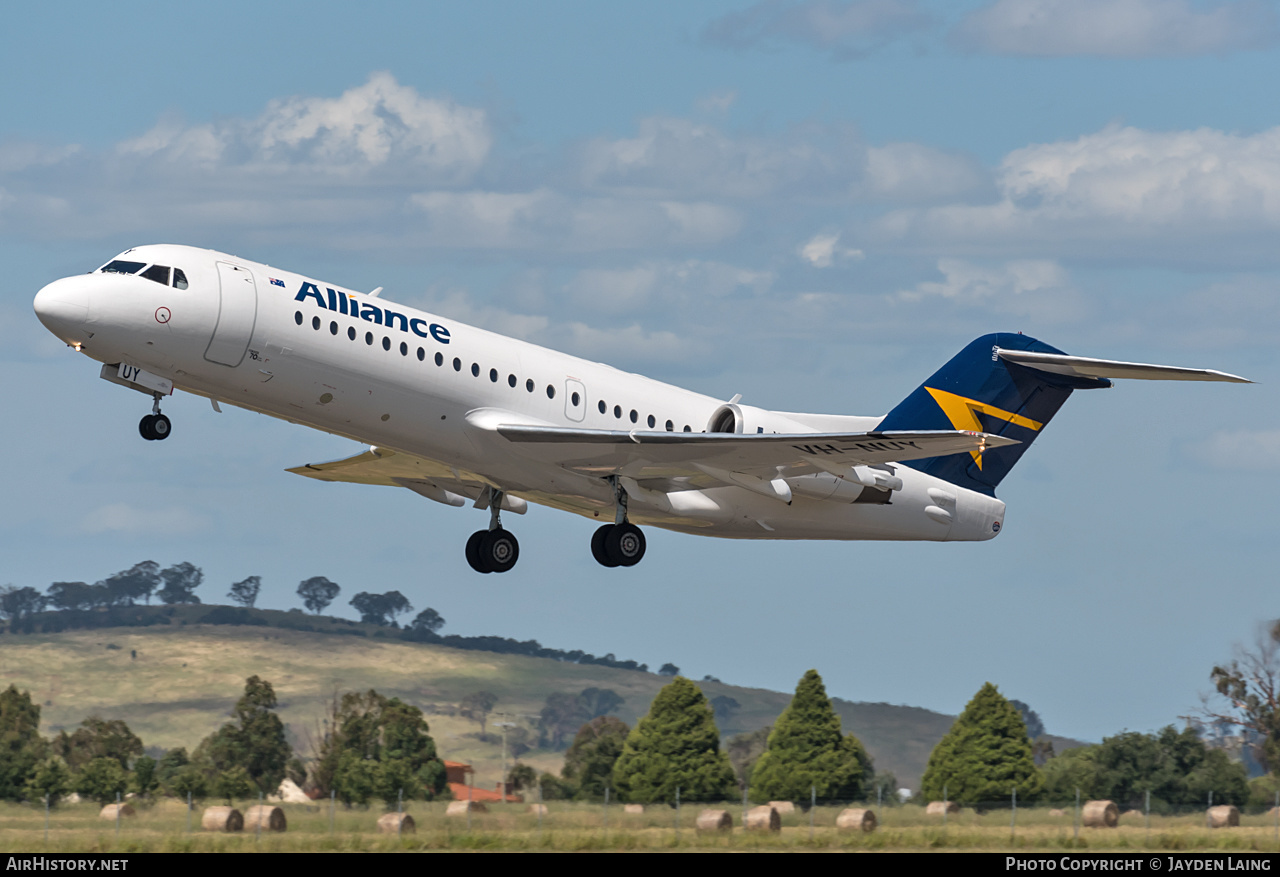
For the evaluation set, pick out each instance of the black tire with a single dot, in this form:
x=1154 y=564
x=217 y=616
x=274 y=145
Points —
x=598 y=539
x=146 y=427
x=625 y=545
x=500 y=550
x=160 y=427
x=474 y=558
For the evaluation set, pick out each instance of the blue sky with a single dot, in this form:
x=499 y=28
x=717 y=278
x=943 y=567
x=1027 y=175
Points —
x=813 y=204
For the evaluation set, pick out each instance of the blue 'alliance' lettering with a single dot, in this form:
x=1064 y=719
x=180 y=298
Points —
x=374 y=314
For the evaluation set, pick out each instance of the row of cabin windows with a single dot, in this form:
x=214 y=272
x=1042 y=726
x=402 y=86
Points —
x=512 y=380
x=162 y=274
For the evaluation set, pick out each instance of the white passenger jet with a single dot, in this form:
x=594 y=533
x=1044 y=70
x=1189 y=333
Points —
x=457 y=414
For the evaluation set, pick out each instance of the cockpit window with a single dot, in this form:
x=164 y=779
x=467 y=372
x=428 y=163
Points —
x=158 y=273
x=120 y=266
x=179 y=279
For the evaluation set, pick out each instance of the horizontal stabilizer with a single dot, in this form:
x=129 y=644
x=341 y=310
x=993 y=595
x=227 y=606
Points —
x=640 y=454
x=1085 y=367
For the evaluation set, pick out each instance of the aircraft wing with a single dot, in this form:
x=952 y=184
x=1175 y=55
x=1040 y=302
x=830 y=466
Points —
x=648 y=455
x=428 y=478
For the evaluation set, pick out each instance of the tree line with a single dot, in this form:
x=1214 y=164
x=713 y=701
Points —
x=373 y=747
x=102 y=604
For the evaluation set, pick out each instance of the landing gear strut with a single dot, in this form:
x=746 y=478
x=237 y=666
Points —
x=155 y=426
x=621 y=543
x=494 y=549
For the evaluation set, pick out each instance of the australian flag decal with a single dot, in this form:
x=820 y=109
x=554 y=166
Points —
x=275 y=282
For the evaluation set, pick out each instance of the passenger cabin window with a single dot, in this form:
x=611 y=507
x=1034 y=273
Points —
x=158 y=273
x=179 y=279
x=120 y=266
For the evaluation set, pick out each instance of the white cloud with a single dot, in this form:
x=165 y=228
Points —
x=1117 y=28
x=821 y=251
x=847 y=29
x=381 y=124
x=970 y=283
x=912 y=172
x=544 y=218
x=1186 y=195
x=127 y=520
x=1240 y=449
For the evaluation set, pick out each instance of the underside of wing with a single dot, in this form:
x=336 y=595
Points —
x=672 y=455
x=428 y=478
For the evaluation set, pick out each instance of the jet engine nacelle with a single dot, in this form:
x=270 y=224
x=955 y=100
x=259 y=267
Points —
x=747 y=419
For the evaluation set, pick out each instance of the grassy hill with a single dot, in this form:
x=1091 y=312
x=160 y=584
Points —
x=185 y=677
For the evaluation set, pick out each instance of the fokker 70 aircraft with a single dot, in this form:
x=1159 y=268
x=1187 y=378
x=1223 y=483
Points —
x=460 y=415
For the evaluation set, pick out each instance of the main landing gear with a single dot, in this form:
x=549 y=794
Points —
x=495 y=549
x=155 y=426
x=621 y=543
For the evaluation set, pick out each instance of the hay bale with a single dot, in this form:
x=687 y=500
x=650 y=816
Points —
x=1057 y=812
x=857 y=819
x=763 y=818
x=222 y=819
x=937 y=808
x=109 y=811
x=538 y=810
x=396 y=823
x=461 y=808
x=1223 y=816
x=1137 y=816
x=715 y=820
x=266 y=817
x=633 y=809
x=289 y=793
x=783 y=807
x=1100 y=814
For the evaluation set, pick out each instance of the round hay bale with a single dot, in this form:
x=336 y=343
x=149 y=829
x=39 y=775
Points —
x=538 y=809
x=715 y=820
x=266 y=817
x=1100 y=814
x=1057 y=812
x=109 y=811
x=461 y=808
x=289 y=793
x=222 y=819
x=1133 y=816
x=1223 y=816
x=763 y=818
x=856 y=819
x=396 y=823
x=783 y=807
x=633 y=809
x=937 y=808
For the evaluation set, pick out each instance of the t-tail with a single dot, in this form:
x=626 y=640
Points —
x=1010 y=385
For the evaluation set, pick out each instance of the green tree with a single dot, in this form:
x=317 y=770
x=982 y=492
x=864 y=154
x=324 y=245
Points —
x=233 y=784
x=984 y=756
x=145 y=780
x=745 y=750
x=102 y=780
x=188 y=781
x=21 y=746
x=51 y=781
x=1073 y=769
x=807 y=750
x=477 y=706
x=377 y=746
x=522 y=777
x=1251 y=686
x=591 y=757
x=255 y=741
x=675 y=746
x=317 y=592
x=98 y=738
x=180 y=583
x=246 y=592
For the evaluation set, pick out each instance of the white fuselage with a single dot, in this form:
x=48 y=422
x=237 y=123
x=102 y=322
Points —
x=419 y=384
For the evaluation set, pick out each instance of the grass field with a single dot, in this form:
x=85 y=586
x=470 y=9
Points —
x=164 y=827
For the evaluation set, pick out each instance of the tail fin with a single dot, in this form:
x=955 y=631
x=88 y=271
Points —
x=982 y=391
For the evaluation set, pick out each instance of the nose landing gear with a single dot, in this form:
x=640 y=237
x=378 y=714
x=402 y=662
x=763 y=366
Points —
x=495 y=549
x=621 y=543
x=155 y=426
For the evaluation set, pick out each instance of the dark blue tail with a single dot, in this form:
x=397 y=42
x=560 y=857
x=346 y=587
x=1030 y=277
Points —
x=977 y=390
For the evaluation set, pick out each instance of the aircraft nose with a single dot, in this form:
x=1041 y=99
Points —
x=63 y=308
